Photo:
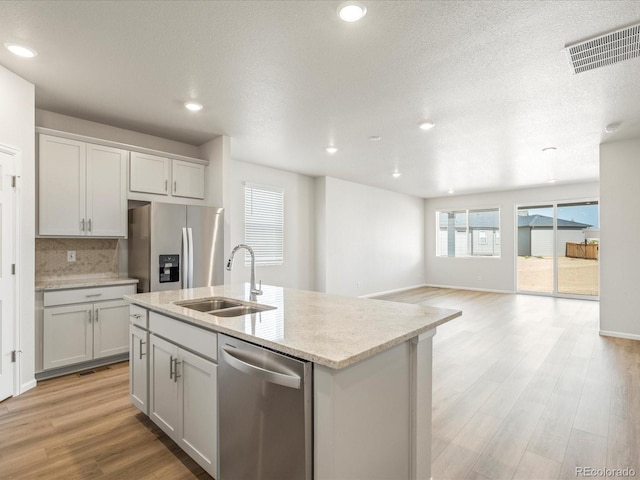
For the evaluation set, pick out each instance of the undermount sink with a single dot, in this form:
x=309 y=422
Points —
x=208 y=304
x=222 y=307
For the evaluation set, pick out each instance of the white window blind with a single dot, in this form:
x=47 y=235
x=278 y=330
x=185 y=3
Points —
x=264 y=224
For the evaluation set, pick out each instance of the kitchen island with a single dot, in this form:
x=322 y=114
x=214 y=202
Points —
x=371 y=369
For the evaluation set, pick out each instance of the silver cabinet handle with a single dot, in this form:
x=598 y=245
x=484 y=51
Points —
x=175 y=369
x=82 y=225
x=171 y=366
x=175 y=186
x=97 y=314
x=89 y=225
x=166 y=185
x=136 y=315
x=89 y=315
x=140 y=349
x=93 y=295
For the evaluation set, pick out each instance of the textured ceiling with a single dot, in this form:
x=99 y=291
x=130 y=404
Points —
x=286 y=79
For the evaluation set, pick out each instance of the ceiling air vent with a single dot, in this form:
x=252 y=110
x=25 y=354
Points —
x=605 y=50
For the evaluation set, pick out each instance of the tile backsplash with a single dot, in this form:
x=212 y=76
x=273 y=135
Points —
x=94 y=258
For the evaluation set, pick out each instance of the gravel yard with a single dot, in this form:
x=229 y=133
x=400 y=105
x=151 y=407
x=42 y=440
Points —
x=575 y=275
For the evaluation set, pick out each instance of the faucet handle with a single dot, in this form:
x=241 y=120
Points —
x=259 y=289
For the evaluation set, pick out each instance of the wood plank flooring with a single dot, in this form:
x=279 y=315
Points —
x=524 y=388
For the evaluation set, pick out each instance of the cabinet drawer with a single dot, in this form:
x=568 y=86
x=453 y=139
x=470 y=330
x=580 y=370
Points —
x=139 y=316
x=196 y=339
x=82 y=295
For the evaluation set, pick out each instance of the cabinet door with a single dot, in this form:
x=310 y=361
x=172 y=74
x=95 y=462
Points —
x=110 y=328
x=106 y=191
x=67 y=335
x=197 y=407
x=61 y=186
x=163 y=386
x=138 y=368
x=149 y=174
x=188 y=179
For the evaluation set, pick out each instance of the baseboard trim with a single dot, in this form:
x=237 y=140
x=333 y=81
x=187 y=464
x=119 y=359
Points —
x=28 y=386
x=629 y=336
x=388 y=292
x=453 y=287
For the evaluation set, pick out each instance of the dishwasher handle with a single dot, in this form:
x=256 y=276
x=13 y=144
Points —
x=290 y=381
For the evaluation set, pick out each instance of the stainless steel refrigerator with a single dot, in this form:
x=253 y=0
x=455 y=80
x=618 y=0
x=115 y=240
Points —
x=176 y=246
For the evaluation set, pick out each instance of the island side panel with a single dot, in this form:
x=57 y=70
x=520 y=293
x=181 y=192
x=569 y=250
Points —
x=421 y=405
x=362 y=418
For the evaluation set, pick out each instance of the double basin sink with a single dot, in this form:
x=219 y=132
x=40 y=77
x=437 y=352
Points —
x=222 y=307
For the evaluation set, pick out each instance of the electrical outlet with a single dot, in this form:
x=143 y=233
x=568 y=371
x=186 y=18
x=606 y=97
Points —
x=71 y=255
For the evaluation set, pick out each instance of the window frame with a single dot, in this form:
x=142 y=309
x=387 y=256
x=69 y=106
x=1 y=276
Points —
x=497 y=232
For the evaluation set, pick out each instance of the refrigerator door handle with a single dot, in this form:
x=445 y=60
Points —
x=185 y=256
x=190 y=235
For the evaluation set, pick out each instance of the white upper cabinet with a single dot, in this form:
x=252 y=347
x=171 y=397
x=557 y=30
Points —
x=165 y=176
x=62 y=186
x=106 y=191
x=149 y=174
x=188 y=179
x=82 y=189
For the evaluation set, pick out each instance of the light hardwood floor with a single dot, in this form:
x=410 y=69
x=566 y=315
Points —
x=524 y=388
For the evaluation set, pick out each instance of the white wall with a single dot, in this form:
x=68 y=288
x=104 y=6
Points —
x=64 y=123
x=17 y=106
x=373 y=239
x=489 y=273
x=298 y=270
x=619 y=235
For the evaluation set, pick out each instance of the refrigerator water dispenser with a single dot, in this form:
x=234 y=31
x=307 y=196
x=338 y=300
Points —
x=169 y=268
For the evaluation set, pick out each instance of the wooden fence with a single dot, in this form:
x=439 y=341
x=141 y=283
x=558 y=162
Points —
x=582 y=250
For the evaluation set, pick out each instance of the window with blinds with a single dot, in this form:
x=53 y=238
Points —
x=264 y=224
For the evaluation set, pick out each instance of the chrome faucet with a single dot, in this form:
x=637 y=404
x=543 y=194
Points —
x=254 y=291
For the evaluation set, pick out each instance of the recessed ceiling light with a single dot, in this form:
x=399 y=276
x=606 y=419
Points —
x=551 y=180
x=374 y=138
x=20 y=50
x=450 y=191
x=396 y=174
x=193 y=106
x=351 y=11
x=331 y=150
x=549 y=150
x=428 y=125
x=612 y=127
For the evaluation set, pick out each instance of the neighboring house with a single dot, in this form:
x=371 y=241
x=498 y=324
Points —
x=535 y=235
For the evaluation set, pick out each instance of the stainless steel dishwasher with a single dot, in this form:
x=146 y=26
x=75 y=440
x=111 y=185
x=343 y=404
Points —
x=264 y=412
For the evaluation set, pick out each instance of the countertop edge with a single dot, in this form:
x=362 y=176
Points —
x=83 y=283
x=333 y=364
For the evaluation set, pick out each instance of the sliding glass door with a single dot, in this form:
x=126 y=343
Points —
x=558 y=249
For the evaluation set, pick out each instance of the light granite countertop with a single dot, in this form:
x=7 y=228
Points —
x=330 y=330
x=63 y=283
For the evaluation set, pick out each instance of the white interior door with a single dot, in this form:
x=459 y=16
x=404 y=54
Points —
x=7 y=278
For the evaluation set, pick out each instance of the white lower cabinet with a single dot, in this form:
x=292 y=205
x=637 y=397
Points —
x=83 y=325
x=183 y=399
x=139 y=368
x=82 y=332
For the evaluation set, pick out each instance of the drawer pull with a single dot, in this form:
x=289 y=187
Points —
x=136 y=316
x=94 y=295
x=175 y=369
x=171 y=366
